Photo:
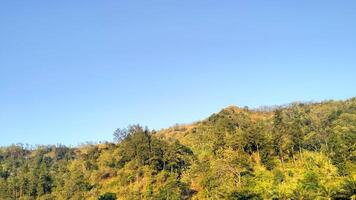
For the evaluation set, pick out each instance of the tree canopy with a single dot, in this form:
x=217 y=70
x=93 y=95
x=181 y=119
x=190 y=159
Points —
x=298 y=151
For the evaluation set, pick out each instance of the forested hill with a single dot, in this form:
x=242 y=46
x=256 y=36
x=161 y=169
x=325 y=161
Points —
x=299 y=151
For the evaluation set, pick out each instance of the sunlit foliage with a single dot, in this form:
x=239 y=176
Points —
x=297 y=151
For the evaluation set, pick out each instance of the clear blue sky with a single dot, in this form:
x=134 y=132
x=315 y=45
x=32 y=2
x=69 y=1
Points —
x=73 y=71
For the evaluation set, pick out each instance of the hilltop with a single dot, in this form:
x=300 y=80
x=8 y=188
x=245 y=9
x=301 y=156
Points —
x=297 y=151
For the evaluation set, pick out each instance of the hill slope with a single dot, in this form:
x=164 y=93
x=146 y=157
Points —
x=299 y=151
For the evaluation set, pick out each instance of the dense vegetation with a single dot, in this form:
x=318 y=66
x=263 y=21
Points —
x=299 y=151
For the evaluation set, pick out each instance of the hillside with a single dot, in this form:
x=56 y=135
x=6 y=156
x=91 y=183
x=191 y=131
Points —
x=298 y=151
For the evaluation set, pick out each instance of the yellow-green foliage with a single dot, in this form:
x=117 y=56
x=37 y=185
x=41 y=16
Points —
x=299 y=151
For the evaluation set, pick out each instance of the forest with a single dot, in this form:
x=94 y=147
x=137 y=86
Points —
x=303 y=150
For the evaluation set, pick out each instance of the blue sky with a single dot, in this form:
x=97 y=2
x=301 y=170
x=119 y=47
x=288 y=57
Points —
x=74 y=71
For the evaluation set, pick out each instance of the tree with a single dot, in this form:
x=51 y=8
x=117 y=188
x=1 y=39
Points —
x=280 y=138
x=120 y=134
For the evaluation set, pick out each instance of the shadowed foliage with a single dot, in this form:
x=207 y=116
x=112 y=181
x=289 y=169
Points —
x=297 y=151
